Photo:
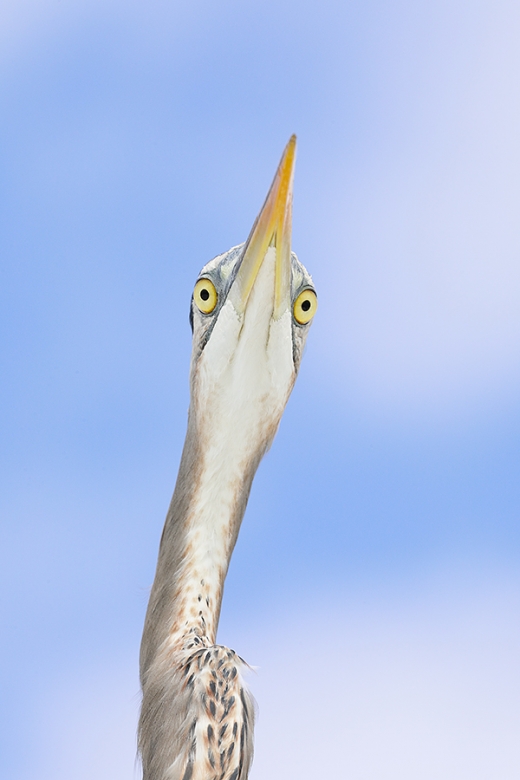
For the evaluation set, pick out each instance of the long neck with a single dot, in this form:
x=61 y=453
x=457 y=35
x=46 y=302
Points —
x=199 y=535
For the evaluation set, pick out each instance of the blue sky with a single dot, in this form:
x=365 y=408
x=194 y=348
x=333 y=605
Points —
x=381 y=543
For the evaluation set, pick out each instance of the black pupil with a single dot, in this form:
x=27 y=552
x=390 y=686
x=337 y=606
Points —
x=204 y=294
x=306 y=305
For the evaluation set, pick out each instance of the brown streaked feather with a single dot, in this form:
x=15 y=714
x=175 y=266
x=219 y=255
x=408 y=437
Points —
x=197 y=717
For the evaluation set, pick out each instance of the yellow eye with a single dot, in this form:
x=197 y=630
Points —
x=205 y=296
x=305 y=307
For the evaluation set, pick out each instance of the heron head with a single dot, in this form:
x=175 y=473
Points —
x=250 y=312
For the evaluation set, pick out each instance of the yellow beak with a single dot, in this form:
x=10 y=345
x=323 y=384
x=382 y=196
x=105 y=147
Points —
x=272 y=227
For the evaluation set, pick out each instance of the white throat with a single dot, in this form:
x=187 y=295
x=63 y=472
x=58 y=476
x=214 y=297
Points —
x=240 y=386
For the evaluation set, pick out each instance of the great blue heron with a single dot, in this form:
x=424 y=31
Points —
x=250 y=313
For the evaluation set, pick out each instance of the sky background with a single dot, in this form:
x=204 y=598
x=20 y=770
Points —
x=375 y=584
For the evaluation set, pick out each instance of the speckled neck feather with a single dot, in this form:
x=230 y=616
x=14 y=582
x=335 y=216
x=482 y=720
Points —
x=197 y=716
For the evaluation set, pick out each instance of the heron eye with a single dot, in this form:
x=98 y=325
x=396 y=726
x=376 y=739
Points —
x=305 y=306
x=205 y=296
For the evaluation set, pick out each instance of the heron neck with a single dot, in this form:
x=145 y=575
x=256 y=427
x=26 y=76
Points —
x=212 y=523
x=199 y=536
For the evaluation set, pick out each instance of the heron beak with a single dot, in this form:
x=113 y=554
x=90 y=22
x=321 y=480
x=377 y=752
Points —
x=271 y=228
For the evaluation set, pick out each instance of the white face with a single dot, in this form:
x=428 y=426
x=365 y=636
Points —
x=244 y=363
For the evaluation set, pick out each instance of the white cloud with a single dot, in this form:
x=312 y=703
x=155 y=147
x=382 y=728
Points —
x=405 y=690
x=161 y=26
x=425 y=304
x=86 y=723
x=24 y=24
x=433 y=308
